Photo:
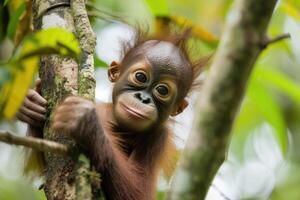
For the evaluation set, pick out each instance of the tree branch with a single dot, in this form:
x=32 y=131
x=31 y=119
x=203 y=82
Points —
x=34 y=143
x=278 y=38
x=87 y=84
x=87 y=40
x=221 y=95
x=59 y=78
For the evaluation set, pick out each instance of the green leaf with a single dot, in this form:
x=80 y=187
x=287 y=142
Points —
x=248 y=118
x=270 y=109
x=158 y=7
x=13 y=22
x=6 y=2
x=294 y=2
x=280 y=81
x=98 y=63
x=160 y=195
x=19 y=189
x=57 y=41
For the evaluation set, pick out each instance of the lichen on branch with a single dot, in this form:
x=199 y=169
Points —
x=87 y=40
x=86 y=85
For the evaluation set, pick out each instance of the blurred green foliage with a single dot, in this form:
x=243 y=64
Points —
x=19 y=189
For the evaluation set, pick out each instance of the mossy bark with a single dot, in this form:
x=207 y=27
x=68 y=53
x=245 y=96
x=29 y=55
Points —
x=221 y=96
x=65 y=176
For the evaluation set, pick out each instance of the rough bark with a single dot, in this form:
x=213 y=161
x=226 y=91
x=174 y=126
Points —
x=86 y=88
x=59 y=78
x=87 y=42
x=222 y=93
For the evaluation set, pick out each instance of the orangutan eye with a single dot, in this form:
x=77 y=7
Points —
x=162 y=90
x=141 y=77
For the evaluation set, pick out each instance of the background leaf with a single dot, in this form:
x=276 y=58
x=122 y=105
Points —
x=270 y=109
x=6 y=2
x=24 y=65
x=98 y=63
x=13 y=22
x=158 y=7
x=280 y=81
x=291 y=10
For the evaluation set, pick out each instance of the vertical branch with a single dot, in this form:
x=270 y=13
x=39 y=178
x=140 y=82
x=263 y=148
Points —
x=87 y=40
x=58 y=78
x=66 y=178
x=86 y=83
x=222 y=93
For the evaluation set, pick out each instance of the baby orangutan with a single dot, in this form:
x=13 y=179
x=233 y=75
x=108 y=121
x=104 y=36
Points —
x=127 y=139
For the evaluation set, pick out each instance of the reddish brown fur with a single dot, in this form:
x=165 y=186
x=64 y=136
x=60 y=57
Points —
x=129 y=163
x=135 y=159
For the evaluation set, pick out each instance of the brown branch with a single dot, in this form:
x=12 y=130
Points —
x=278 y=38
x=34 y=143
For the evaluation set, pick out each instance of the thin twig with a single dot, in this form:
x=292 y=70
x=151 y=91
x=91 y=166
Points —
x=222 y=194
x=34 y=143
x=269 y=41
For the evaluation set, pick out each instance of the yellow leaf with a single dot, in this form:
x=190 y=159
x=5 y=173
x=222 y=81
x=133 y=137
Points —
x=291 y=10
x=20 y=86
x=24 y=25
x=4 y=92
x=197 y=30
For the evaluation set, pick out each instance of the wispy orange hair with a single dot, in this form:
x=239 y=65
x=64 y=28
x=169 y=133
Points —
x=178 y=39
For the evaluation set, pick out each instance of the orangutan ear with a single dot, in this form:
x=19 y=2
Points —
x=113 y=71
x=180 y=107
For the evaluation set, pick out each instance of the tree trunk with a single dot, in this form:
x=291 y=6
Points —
x=59 y=78
x=243 y=40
